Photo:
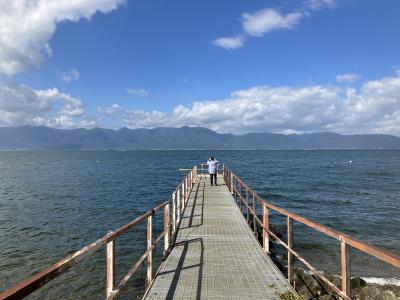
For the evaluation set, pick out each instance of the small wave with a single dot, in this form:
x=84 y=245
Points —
x=382 y=281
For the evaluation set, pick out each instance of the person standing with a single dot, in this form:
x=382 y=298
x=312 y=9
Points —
x=212 y=169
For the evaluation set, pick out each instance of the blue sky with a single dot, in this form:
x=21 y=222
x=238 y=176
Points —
x=232 y=66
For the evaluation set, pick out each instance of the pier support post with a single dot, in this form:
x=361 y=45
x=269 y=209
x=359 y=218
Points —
x=290 y=245
x=166 y=228
x=266 y=227
x=110 y=268
x=149 y=273
x=345 y=264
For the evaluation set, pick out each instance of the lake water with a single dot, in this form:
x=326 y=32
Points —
x=54 y=202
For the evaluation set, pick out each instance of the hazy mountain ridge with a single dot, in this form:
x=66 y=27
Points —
x=29 y=137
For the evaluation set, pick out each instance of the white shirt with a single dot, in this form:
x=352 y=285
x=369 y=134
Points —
x=212 y=166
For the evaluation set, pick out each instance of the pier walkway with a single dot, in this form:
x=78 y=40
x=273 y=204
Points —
x=216 y=255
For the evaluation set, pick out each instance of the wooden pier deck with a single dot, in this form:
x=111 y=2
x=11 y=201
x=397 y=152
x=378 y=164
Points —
x=216 y=255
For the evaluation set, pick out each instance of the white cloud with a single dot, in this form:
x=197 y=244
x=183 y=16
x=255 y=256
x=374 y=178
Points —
x=22 y=105
x=318 y=4
x=263 y=21
x=138 y=92
x=348 y=78
x=26 y=27
x=229 y=42
x=72 y=75
x=373 y=108
x=266 y=20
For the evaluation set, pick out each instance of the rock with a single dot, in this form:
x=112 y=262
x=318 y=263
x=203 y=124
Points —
x=357 y=282
x=372 y=293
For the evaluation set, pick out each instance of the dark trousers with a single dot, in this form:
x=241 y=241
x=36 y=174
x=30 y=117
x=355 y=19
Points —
x=215 y=178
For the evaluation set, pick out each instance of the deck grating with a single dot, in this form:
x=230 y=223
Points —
x=216 y=255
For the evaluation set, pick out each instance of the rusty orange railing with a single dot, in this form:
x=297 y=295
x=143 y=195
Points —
x=237 y=187
x=171 y=221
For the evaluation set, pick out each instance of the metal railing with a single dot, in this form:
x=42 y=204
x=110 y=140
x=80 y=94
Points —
x=171 y=221
x=238 y=187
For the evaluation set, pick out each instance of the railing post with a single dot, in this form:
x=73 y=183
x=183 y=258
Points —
x=149 y=274
x=254 y=216
x=345 y=263
x=247 y=207
x=266 y=227
x=186 y=189
x=240 y=200
x=178 y=205
x=110 y=267
x=173 y=213
x=166 y=228
x=231 y=183
x=290 y=245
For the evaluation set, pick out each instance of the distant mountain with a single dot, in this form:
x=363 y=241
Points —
x=29 y=137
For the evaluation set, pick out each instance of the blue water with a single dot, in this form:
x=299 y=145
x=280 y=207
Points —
x=54 y=202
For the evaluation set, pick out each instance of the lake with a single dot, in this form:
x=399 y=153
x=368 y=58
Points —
x=52 y=203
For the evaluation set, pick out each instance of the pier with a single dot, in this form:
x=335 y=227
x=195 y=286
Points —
x=215 y=254
x=210 y=249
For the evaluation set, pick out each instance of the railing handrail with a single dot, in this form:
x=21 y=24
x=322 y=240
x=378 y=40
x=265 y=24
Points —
x=27 y=286
x=232 y=179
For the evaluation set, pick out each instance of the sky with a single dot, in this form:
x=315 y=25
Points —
x=232 y=66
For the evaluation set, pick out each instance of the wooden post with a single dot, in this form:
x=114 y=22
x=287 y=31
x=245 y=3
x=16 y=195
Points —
x=290 y=245
x=266 y=225
x=149 y=276
x=166 y=228
x=173 y=213
x=254 y=216
x=110 y=267
x=345 y=262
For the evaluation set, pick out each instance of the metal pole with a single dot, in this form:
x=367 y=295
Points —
x=149 y=275
x=254 y=216
x=178 y=204
x=290 y=245
x=265 y=232
x=173 y=213
x=345 y=263
x=110 y=267
x=166 y=228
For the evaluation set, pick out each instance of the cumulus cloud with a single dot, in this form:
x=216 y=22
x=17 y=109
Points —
x=69 y=76
x=22 y=105
x=138 y=92
x=373 y=108
x=263 y=21
x=26 y=27
x=267 y=20
x=348 y=78
x=229 y=42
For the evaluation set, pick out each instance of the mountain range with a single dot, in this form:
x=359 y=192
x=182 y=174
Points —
x=39 y=137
